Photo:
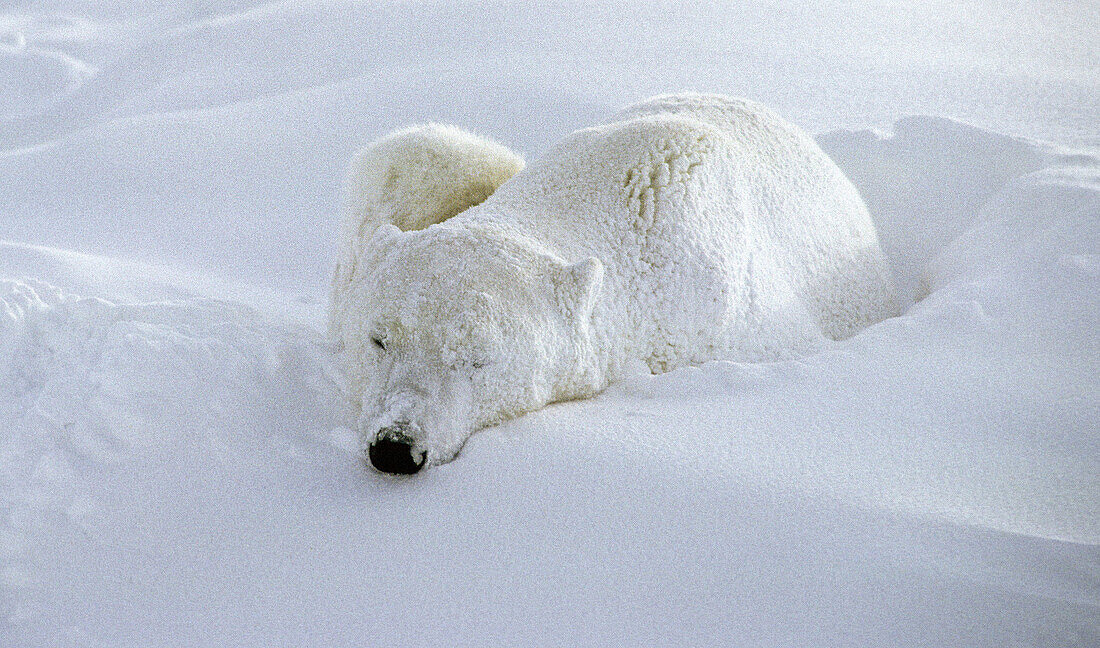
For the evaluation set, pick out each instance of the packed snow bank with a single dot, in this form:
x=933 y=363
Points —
x=121 y=280
x=927 y=181
x=111 y=408
x=139 y=374
x=178 y=471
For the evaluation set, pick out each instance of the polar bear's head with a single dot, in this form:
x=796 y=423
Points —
x=454 y=331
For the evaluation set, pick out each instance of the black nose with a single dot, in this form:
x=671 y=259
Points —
x=393 y=453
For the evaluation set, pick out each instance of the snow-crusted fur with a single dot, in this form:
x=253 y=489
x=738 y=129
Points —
x=687 y=228
x=411 y=179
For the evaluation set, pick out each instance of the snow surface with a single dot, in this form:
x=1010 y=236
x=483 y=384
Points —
x=175 y=466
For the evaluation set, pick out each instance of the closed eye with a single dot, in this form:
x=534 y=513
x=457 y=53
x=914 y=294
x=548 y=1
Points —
x=471 y=364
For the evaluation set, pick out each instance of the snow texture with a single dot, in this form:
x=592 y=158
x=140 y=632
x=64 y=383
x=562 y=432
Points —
x=688 y=228
x=177 y=468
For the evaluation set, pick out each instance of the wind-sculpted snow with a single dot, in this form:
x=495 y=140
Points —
x=175 y=467
x=131 y=375
x=128 y=392
x=928 y=181
x=39 y=76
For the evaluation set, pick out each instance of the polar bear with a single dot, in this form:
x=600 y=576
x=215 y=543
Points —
x=684 y=229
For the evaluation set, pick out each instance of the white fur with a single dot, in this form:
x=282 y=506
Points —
x=685 y=229
x=411 y=179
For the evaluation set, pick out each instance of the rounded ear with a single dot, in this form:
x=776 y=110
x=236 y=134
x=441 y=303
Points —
x=354 y=248
x=372 y=247
x=355 y=253
x=582 y=282
x=384 y=233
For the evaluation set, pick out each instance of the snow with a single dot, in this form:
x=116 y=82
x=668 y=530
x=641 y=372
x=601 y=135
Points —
x=175 y=462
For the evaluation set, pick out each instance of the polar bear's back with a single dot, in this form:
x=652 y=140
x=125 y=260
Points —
x=718 y=206
x=811 y=218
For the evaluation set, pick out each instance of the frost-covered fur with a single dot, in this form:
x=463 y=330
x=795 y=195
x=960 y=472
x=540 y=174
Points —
x=411 y=179
x=687 y=228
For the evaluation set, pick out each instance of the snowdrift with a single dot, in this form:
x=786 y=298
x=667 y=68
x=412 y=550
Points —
x=175 y=463
x=177 y=469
